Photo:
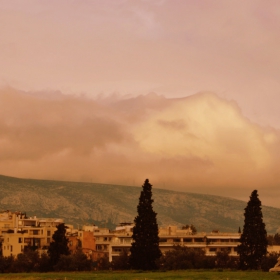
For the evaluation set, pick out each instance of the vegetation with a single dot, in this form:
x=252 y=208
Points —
x=121 y=262
x=140 y=275
x=145 y=246
x=192 y=227
x=180 y=258
x=269 y=261
x=253 y=239
x=185 y=258
x=273 y=239
x=59 y=245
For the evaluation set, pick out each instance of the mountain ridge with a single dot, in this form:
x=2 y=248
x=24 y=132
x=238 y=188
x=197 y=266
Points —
x=107 y=205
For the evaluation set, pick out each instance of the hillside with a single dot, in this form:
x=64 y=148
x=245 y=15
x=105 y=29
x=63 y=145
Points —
x=107 y=205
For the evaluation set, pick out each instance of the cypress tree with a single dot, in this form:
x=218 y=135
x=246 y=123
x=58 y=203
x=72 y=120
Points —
x=253 y=241
x=145 y=246
x=59 y=245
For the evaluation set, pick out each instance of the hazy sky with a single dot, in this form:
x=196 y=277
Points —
x=58 y=56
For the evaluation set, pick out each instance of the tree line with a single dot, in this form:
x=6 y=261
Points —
x=145 y=254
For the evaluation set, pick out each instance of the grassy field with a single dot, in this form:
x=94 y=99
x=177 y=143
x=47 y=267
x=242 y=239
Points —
x=186 y=275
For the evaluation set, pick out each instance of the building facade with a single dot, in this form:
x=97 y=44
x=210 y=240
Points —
x=18 y=232
x=115 y=242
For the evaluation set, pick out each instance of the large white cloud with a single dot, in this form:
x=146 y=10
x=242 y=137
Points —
x=199 y=143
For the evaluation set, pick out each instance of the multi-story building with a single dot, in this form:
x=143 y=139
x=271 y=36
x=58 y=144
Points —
x=84 y=239
x=19 y=232
x=115 y=242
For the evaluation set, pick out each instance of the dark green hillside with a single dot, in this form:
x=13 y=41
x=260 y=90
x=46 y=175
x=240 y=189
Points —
x=107 y=205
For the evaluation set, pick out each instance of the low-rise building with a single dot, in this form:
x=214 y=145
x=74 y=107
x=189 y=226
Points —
x=84 y=239
x=115 y=242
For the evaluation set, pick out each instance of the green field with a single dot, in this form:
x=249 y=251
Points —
x=186 y=275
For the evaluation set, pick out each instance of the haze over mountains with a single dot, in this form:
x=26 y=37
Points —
x=200 y=143
x=107 y=205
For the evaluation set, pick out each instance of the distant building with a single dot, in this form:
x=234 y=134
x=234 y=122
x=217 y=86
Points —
x=84 y=239
x=18 y=232
x=115 y=242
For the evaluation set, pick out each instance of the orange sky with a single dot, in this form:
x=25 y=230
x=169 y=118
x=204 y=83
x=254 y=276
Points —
x=67 y=65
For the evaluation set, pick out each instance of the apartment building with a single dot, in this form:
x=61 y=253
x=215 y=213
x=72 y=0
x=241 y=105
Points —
x=85 y=240
x=19 y=232
x=116 y=241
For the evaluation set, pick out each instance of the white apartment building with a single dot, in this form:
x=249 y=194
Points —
x=116 y=241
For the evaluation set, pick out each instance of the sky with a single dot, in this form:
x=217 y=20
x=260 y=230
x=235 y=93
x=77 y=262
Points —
x=185 y=93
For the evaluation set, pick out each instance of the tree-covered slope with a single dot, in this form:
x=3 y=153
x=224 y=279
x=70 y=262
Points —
x=107 y=205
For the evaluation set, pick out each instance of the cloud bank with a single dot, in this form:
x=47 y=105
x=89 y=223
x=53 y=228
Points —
x=201 y=143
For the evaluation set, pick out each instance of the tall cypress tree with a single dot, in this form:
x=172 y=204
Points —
x=253 y=239
x=145 y=246
x=59 y=245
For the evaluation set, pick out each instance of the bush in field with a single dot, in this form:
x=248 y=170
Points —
x=81 y=262
x=269 y=261
x=26 y=262
x=75 y=262
x=64 y=263
x=122 y=262
x=223 y=260
x=183 y=258
x=103 y=263
x=273 y=239
x=6 y=264
x=44 y=263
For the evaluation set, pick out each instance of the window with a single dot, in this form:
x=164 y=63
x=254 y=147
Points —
x=198 y=240
x=11 y=248
x=48 y=240
x=187 y=240
x=117 y=250
x=163 y=240
x=48 y=233
x=20 y=240
x=176 y=240
x=212 y=249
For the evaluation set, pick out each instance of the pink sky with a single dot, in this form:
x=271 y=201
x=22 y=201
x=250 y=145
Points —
x=171 y=47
